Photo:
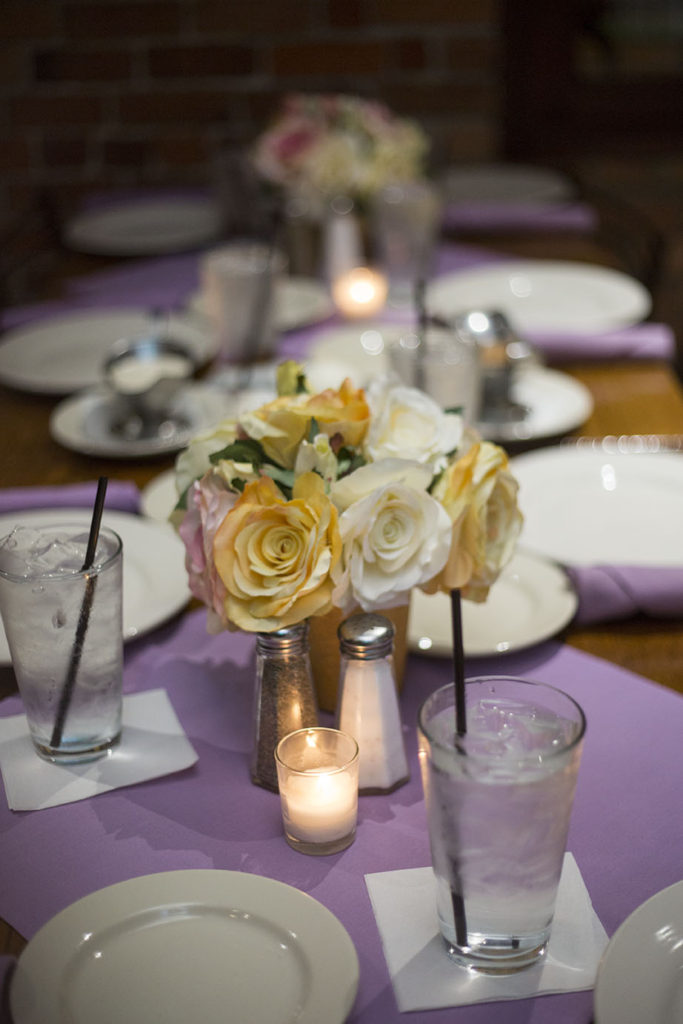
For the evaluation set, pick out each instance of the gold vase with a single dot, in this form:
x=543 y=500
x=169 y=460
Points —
x=324 y=651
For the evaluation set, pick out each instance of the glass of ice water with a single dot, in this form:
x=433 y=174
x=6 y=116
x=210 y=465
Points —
x=65 y=635
x=499 y=801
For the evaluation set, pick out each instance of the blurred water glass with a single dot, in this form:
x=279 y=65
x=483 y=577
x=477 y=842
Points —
x=404 y=226
x=442 y=364
x=238 y=283
x=65 y=635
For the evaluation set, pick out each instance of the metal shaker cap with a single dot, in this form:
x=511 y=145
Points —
x=366 y=636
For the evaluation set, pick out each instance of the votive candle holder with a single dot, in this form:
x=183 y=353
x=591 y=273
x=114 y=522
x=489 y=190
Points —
x=318 y=780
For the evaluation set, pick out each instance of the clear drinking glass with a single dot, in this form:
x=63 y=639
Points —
x=239 y=282
x=499 y=801
x=318 y=779
x=440 y=363
x=65 y=635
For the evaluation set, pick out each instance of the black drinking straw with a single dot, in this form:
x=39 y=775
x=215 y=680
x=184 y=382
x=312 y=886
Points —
x=457 y=898
x=83 y=618
x=458 y=664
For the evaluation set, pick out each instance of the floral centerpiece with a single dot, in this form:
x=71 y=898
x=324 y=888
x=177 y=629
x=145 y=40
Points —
x=322 y=146
x=344 y=499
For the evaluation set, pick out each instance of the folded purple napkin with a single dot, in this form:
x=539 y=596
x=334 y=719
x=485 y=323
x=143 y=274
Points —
x=640 y=341
x=122 y=495
x=495 y=215
x=608 y=592
x=164 y=282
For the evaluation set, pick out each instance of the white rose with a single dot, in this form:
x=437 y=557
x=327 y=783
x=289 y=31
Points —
x=193 y=462
x=393 y=539
x=366 y=479
x=407 y=423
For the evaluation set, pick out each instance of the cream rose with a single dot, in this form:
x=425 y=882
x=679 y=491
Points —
x=395 y=536
x=275 y=557
x=194 y=461
x=406 y=423
x=480 y=496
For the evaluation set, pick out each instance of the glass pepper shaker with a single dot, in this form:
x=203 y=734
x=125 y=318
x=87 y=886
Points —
x=367 y=705
x=284 y=699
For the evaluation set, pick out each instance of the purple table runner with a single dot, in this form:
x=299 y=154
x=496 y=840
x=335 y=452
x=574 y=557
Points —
x=627 y=829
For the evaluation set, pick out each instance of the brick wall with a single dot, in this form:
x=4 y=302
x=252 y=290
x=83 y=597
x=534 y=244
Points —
x=98 y=93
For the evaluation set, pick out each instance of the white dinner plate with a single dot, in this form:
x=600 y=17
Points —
x=144 y=227
x=544 y=295
x=531 y=600
x=640 y=977
x=66 y=353
x=83 y=423
x=501 y=183
x=155 y=583
x=586 y=507
x=555 y=404
x=298 y=301
x=181 y=946
x=158 y=498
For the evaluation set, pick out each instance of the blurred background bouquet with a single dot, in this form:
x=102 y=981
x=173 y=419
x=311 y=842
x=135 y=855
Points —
x=344 y=499
x=319 y=147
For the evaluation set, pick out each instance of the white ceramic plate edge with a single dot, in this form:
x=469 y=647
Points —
x=67 y=424
x=313 y=931
x=646 y=950
x=192 y=221
x=623 y=299
x=486 y=627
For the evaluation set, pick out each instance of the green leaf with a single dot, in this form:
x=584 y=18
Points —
x=241 y=451
x=313 y=430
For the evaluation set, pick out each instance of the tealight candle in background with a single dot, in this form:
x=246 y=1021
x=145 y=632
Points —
x=360 y=292
x=318 y=781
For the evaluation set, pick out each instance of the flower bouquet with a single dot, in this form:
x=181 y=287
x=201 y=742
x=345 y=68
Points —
x=344 y=499
x=322 y=146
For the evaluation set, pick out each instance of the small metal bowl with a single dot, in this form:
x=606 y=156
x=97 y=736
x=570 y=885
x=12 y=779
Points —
x=146 y=375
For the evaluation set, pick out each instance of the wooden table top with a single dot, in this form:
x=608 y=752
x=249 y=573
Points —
x=631 y=397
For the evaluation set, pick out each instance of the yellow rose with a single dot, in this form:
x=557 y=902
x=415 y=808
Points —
x=275 y=557
x=281 y=425
x=480 y=495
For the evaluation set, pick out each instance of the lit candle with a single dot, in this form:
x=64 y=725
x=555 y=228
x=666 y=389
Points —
x=360 y=292
x=319 y=806
x=318 y=781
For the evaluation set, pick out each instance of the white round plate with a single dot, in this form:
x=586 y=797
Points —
x=66 y=353
x=83 y=422
x=531 y=600
x=586 y=507
x=144 y=227
x=154 y=578
x=159 y=497
x=505 y=183
x=299 y=302
x=544 y=295
x=348 y=350
x=640 y=977
x=209 y=946
x=556 y=403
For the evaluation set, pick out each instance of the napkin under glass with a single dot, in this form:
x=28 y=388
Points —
x=425 y=978
x=152 y=744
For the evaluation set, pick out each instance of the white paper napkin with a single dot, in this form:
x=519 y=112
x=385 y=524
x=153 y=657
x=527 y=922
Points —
x=152 y=744
x=425 y=978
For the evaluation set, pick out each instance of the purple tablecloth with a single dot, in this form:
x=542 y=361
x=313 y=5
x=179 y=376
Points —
x=626 y=835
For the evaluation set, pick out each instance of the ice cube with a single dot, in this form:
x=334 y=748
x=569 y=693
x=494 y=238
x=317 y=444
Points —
x=27 y=551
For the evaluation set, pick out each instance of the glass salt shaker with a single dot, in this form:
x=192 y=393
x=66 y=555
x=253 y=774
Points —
x=284 y=699
x=367 y=705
